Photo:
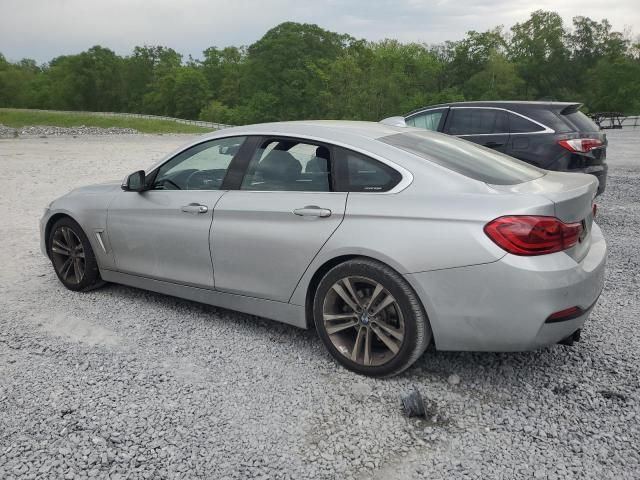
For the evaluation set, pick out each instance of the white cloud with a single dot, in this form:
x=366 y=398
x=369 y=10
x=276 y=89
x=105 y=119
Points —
x=43 y=29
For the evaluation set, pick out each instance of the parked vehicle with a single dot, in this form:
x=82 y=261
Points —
x=387 y=239
x=550 y=135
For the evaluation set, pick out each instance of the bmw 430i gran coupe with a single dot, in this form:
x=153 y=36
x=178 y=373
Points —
x=387 y=239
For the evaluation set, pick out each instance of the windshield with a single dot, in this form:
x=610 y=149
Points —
x=465 y=157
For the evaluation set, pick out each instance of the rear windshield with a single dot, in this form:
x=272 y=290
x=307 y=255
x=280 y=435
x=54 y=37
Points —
x=581 y=122
x=466 y=158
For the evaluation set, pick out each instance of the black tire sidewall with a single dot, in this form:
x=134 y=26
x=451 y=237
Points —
x=92 y=273
x=398 y=287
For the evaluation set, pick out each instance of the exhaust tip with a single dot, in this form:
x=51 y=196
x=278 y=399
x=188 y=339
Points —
x=571 y=339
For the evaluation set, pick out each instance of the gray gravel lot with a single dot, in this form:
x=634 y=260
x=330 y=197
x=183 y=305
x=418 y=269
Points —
x=124 y=383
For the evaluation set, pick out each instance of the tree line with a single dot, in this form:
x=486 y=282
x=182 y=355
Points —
x=301 y=71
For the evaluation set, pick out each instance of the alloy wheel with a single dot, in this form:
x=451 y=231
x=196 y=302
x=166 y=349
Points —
x=363 y=321
x=68 y=255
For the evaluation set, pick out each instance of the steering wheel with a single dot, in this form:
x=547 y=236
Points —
x=202 y=180
x=170 y=182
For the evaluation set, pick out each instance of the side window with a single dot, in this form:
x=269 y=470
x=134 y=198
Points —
x=201 y=167
x=364 y=174
x=427 y=120
x=289 y=165
x=474 y=121
x=518 y=124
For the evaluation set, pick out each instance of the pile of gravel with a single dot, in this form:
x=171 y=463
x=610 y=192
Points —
x=49 y=131
x=7 y=132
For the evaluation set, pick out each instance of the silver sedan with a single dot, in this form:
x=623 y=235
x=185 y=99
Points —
x=387 y=239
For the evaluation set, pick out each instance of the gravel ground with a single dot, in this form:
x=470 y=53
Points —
x=48 y=131
x=123 y=383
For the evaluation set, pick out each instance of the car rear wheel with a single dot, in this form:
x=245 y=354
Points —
x=72 y=256
x=370 y=319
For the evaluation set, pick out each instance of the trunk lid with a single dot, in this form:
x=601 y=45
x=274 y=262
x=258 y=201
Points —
x=572 y=195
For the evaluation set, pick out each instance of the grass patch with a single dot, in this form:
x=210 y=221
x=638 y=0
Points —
x=22 y=118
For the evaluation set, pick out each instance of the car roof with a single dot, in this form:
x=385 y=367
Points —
x=514 y=104
x=355 y=135
x=329 y=130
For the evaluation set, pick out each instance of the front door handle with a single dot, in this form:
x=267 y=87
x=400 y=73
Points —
x=194 y=208
x=312 y=211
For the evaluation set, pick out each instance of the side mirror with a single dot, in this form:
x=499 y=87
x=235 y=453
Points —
x=134 y=182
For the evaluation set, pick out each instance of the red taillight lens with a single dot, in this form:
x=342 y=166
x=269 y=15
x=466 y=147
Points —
x=581 y=145
x=594 y=210
x=566 y=314
x=533 y=235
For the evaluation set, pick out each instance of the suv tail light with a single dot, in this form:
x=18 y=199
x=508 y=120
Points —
x=581 y=145
x=533 y=235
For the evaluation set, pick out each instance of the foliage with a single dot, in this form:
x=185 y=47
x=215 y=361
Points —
x=300 y=71
x=22 y=118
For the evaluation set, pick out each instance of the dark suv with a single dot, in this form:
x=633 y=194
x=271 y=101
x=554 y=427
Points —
x=550 y=135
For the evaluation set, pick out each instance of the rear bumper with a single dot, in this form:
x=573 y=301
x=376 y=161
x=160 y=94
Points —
x=502 y=306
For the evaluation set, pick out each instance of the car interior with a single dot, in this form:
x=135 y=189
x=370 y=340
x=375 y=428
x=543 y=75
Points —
x=289 y=165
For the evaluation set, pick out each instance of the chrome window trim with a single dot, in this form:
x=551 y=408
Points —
x=405 y=181
x=415 y=114
x=546 y=129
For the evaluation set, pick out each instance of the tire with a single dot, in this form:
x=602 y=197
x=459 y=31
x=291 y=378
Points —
x=355 y=337
x=74 y=264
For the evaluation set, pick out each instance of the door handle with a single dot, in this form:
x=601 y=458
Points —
x=194 y=208
x=312 y=211
x=493 y=144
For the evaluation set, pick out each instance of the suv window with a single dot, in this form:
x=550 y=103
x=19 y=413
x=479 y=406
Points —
x=474 y=121
x=428 y=120
x=364 y=174
x=518 y=124
x=466 y=158
x=581 y=122
x=289 y=165
x=201 y=167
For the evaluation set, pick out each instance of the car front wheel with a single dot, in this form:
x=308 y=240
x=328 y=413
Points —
x=370 y=319
x=72 y=256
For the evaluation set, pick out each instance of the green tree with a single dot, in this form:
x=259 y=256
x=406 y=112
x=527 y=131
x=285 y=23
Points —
x=614 y=85
x=470 y=55
x=538 y=49
x=496 y=81
x=284 y=71
x=91 y=80
x=190 y=92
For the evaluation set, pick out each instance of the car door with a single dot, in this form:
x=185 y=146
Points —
x=485 y=126
x=266 y=232
x=163 y=232
x=432 y=119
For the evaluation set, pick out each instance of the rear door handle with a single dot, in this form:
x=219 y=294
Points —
x=194 y=208
x=312 y=211
x=493 y=144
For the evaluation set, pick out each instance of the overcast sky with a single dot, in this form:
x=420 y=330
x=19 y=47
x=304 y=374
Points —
x=43 y=29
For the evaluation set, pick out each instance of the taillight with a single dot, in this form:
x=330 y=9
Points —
x=564 y=315
x=533 y=235
x=580 y=145
x=594 y=210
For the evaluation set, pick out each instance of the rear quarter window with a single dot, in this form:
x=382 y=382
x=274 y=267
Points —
x=477 y=121
x=465 y=158
x=581 y=122
x=359 y=173
x=518 y=124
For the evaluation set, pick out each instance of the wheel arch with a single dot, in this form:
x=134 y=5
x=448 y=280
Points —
x=49 y=225
x=337 y=260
